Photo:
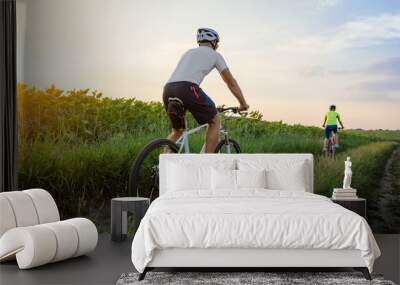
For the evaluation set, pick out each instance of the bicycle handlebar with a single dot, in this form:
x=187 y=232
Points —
x=339 y=128
x=233 y=109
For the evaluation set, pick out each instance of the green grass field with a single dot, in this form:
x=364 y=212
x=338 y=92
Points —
x=80 y=146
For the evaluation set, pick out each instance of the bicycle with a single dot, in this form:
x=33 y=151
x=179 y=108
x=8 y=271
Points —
x=330 y=149
x=143 y=178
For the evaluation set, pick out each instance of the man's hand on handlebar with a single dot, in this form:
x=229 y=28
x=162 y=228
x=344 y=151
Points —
x=243 y=107
x=234 y=110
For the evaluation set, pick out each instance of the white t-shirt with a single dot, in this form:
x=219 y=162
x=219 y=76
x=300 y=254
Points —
x=196 y=63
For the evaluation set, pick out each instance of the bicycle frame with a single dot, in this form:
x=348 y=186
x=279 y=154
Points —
x=332 y=140
x=183 y=140
x=334 y=137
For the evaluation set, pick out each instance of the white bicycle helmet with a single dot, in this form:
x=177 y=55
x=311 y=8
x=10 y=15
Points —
x=207 y=35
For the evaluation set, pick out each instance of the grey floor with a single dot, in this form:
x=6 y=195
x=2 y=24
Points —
x=389 y=262
x=103 y=266
x=110 y=260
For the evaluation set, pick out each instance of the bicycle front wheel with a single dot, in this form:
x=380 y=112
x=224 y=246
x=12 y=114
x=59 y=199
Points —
x=228 y=146
x=144 y=178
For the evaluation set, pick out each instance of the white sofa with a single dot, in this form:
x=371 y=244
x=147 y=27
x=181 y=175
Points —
x=31 y=231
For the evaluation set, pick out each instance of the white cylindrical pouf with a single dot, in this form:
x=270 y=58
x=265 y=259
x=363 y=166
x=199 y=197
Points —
x=67 y=240
x=23 y=207
x=34 y=246
x=7 y=218
x=45 y=205
x=87 y=234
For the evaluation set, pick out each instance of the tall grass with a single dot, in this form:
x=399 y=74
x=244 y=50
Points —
x=83 y=116
x=80 y=177
x=368 y=167
x=84 y=177
x=389 y=135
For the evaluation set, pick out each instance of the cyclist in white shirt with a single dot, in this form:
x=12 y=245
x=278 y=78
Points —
x=182 y=91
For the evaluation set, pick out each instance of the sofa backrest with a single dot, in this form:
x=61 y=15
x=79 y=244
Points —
x=272 y=160
x=26 y=208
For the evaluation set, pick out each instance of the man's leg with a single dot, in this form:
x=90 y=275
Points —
x=175 y=134
x=212 y=134
x=336 y=140
x=326 y=133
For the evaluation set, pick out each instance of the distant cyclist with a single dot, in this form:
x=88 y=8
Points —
x=330 y=124
x=182 y=91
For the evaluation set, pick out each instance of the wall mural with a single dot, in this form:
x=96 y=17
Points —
x=89 y=97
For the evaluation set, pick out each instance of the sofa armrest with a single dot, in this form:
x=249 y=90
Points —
x=32 y=246
x=40 y=244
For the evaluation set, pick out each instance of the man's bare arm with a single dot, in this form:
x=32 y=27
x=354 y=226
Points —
x=340 y=121
x=234 y=88
x=323 y=125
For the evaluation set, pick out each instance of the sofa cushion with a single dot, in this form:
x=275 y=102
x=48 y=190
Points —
x=23 y=208
x=40 y=244
x=67 y=240
x=87 y=233
x=32 y=246
x=27 y=208
x=7 y=220
x=45 y=205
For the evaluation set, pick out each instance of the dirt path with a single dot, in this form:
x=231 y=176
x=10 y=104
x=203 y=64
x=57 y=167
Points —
x=387 y=216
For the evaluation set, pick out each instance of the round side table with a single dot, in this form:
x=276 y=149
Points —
x=119 y=215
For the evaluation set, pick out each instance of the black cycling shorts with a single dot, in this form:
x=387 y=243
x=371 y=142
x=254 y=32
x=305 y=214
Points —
x=193 y=99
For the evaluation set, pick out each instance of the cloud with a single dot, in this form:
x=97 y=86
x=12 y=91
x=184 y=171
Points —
x=390 y=67
x=391 y=98
x=364 y=32
x=387 y=89
x=386 y=68
x=379 y=81
x=328 y=3
x=325 y=71
x=381 y=86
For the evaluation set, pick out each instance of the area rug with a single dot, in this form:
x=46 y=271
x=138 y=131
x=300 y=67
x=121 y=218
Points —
x=244 y=278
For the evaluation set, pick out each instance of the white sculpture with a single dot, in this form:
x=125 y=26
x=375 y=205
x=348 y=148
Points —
x=347 y=174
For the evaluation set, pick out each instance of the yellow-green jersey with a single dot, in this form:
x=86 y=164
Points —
x=332 y=117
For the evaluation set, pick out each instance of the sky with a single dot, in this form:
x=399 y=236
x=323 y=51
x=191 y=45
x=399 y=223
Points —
x=292 y=58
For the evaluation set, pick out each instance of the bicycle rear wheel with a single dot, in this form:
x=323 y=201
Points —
x=144 y=178
x=228 y=146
